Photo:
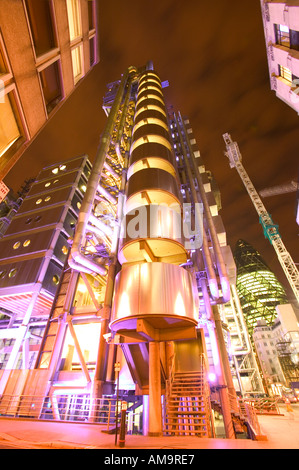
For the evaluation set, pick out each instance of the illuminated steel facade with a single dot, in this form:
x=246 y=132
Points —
x=259 y=290
x=147 y=275
x=34 y=250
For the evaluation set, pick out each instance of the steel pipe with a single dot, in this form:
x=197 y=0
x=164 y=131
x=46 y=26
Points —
x=93 y=183
x=225 y=285
x=212 y=280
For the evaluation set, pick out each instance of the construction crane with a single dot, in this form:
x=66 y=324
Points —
x=270 y=229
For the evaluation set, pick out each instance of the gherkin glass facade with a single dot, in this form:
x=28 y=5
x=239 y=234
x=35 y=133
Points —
x=258 y=288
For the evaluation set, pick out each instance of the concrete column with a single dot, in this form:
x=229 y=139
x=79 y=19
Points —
x=155 y=408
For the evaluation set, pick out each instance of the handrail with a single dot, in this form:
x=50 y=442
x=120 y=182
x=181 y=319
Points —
x=62 y=407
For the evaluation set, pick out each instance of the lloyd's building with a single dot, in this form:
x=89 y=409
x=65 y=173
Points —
x=117 y=283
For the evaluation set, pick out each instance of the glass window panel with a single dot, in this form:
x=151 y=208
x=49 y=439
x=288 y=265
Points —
x=74 y=17
x=282 y=35
x=50 y=80
x=92 y=51
x=77 y=63
x=91 y=19
x=9 y=130
x=40 y=19
x=285 y=73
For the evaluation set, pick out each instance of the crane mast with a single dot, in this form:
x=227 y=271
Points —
x=270 y=229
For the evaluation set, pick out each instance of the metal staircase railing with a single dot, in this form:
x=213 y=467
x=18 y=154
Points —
x=187 y=403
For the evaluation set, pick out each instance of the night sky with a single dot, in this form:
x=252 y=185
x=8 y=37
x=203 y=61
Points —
x=213 y=54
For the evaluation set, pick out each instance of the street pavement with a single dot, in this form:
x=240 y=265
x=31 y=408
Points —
x=282 y=432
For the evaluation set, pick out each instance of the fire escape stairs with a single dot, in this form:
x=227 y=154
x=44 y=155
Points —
x=187 y=410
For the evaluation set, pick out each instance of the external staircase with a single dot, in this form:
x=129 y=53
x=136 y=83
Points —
x=187 y=411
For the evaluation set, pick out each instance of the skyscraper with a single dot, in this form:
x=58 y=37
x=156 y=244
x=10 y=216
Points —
x=281 y=27
x=137 y=305
x=259 y=290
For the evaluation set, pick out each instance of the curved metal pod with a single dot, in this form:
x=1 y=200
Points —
x=151 y=100
x=150 y=75
x=150 y=90
x=150 y=114
x=150 y=128
x=152 y=234
x=151 y=150
x=149 y=85
x=151 y=186
x=162 y=294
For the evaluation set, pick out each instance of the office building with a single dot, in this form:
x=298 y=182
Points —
x=33 y=251
x=281 y=27
x=259 y=290
x=52 y=47
x=277 y=347
x=137 y=308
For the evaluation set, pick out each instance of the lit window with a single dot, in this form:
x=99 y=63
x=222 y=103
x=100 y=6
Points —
x=9 y=130
x=282 y=35
x=55 y=279
x=64 y=250
x=26 y=243
x=285 y=73
x=12 y=272
x=16 y=245
x=77 y=63
x=74 y=17
x=39 y=201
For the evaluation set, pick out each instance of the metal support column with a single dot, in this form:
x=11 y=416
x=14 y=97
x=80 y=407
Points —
x=155 y=407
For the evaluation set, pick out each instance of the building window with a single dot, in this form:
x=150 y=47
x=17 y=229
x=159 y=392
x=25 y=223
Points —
x=282 y=34
x=286 y=37
x=294 y=40
x=51 y=85
x=40 y=17
x=9 y=129
x=77 y=63
x=3 y=66
x=91 y=15
x=92 y=51
x=295 y=83
x=74 y=18
x=285 y=73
